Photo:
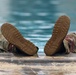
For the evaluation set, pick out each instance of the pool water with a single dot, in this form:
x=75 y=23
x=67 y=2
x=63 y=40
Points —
x=35 y=19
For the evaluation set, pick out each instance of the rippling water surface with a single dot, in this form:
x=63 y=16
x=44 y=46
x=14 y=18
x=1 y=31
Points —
x=35 y=18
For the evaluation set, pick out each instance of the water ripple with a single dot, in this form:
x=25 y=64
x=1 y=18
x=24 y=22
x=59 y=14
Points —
x=39 y=21
x=22 y=14
x=42 y=14
x=54 y=2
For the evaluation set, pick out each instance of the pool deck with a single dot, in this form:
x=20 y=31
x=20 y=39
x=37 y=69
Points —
x=37 y=65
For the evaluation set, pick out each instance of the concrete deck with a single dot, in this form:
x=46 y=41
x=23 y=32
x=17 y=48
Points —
x=37 y=65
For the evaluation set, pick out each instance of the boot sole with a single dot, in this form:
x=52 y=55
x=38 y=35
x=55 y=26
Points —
x=59 y=32
x=14 y=37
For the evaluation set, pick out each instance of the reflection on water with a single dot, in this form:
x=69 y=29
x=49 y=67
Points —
x=34 y=18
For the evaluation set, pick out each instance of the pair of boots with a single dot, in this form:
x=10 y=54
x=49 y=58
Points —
x=52 y=46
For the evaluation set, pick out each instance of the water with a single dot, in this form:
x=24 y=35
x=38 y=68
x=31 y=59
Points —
x=35 y=18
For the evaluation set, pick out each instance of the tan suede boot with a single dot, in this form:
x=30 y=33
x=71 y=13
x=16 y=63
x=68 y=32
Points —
x=14 y=37
x=59 y=32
